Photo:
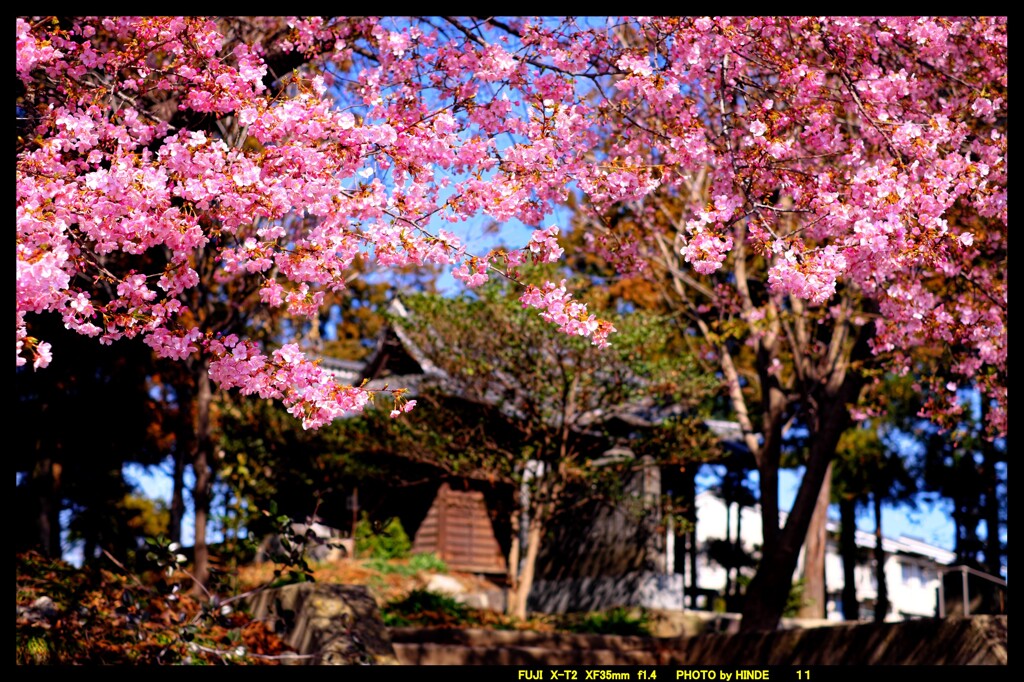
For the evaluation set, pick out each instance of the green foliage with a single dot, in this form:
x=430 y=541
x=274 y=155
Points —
x=421 y=562
x=270 y=459
x=867 y=464
x=426 y=608
x=516 y=388
x=616 y=621
x=796 y=599
x=388 y=567
x=381 y=541
x=152 y=518
x=427 y=562
x=290 y=554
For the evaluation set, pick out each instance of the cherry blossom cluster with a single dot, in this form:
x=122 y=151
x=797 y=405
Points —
x=858 y=154
x=308 y=391
x=544 y=246
x=160 y=155
x=556 y=305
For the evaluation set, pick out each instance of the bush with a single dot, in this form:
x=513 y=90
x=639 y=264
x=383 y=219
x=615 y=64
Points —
x=617 y=621
x=427 y=562
x=388 y=542
x=422 y=607
x=421 y=561
x=796 y=599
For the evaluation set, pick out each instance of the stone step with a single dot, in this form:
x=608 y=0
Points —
x=431 y=653
x=483 y=637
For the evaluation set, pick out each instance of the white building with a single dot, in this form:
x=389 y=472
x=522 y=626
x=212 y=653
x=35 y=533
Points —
x=911 y=566
x=911 y=575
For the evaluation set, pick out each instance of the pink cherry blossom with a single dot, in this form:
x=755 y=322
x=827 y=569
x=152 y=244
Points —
x=853 y=154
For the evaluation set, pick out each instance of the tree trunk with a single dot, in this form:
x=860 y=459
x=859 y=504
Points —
x=45 y=487
x=815 y=590
x=184 y=451
x=89 y=548
x=513 y=564
x=882 y=602
x=848 y=548
x=993 y=543
x=525 y=583
x=691 y=535
x=201 y=461
x=769 y=590
x=177 y=509
x=768 y=488
x=728 y=540
x=766 y=595
x=965 y=518
x=739 y=544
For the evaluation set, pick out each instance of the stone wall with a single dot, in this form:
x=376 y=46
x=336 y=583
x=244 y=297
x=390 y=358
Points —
x=958 y=641
x=638 y=589
x=341 y=625
x=979 y=640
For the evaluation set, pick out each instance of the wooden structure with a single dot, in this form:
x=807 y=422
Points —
x=458 y=530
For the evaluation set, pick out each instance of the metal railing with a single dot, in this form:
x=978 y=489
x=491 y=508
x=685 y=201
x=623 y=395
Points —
x=964 y=571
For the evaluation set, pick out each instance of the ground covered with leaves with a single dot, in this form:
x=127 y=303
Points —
x=70 y=616
x=108 y=615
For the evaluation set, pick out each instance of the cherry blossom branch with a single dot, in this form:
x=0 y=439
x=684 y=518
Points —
x=852 y=89
x=532 y=62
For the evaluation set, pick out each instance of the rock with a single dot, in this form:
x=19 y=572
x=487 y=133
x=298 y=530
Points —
x=490 y=600
x=327 y=624
x=477 y=594
x=41 y=613
x=444 y=584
